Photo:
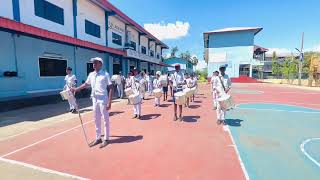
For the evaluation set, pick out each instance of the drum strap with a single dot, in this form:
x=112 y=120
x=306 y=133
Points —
x=224 y=88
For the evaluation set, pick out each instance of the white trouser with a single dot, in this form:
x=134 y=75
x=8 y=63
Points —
x=220 y=113
x=99 y=109
x=157 y=101
x=214 y=98
x=137 y=109
x=120 y=90
x=72 y=104
x=150 y=88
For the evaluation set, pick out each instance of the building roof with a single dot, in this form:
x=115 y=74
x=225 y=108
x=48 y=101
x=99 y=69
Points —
x=108 y=6
x=236 y=29
x=256 y=47
x=22 y=28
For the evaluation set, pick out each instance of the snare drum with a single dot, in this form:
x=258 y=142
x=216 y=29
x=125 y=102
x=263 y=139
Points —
x=226 y=102
x=188 y=92
x=135 y=98
x=180 y=98
x=66 y=94
x=128 y=91
x=157 y=93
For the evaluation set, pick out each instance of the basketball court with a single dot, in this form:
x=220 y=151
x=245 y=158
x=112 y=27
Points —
x=273 y=133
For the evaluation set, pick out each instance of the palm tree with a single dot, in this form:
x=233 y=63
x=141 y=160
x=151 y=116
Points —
x=174 y=50
x=194 y=60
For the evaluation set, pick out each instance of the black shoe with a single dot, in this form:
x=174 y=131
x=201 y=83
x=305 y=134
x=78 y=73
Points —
x=138 y=117
x=96 y=142
x=135 y=116
x=104 y=143
x=74 y=111
x=219 y=122
x=70 y=110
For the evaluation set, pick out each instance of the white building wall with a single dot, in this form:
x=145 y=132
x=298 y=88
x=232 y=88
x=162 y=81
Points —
x=95 y=14
x=134 y=35
x=159 y=50
x=116 y=26
x=144 y=42
x=27 y=16
x=153 y=48
x=6 y=9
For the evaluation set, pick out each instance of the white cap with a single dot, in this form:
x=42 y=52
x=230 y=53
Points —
x=96 y=59
x=158 y=73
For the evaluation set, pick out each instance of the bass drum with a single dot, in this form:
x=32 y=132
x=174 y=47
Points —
x=188 y=92
x=226 y=102
x=66 y=94
x=157 y=93
x=135 y=98
x=180 y=98
x=128 y=91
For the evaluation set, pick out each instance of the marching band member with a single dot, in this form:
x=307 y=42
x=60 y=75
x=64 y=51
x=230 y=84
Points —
x=213 y=82
x=188 y=85
x=135 y=85
x=177 y=82
x=223 y=86
x=150 y=83
x=157 y=85
x=119 y=83
x=170 y=84
x=193 y=83
x=165 y=87
x=71 y=81
x=143 y=84
x=128 y=83
x=100 y=83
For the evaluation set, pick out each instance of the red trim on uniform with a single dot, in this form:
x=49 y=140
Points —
x=31 y=30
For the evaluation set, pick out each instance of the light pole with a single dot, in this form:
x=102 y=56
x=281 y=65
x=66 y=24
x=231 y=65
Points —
x=301 y=59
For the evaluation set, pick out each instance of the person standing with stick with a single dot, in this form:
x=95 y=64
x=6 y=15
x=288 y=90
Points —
x=101 y=95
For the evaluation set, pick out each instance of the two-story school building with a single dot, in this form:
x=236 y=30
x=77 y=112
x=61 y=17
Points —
x=235 y=48
x=40 y=38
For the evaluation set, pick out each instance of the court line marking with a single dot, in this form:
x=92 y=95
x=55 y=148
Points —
x=306 y=153
x=41 y=169
x=279 y=102
x=43 y=140
x=244 y=170
x=289 y=92
x=255 y=92
x=34 y=129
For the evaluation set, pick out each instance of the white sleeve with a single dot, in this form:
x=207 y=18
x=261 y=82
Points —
x=108 y=80
x=88 y=79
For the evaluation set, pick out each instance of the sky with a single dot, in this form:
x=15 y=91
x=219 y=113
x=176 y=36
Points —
x=182 y=22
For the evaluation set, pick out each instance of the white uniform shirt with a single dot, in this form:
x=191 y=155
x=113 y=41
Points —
x=135 y=83
x=226 y=82
x=177 y=79
x=156 y=83
x=99 y=83
x=193 y=82
x=70 y=80
x=189 y=82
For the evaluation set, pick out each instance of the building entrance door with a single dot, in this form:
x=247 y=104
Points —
x=244 y=70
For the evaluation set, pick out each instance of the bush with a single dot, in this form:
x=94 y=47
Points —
x=202 y=75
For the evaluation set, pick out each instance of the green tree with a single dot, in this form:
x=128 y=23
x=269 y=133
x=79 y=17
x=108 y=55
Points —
x=174 y=50
x=194 y=60
x=276 y=67
x=289 y=68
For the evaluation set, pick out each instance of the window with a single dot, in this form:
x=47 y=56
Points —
x=49 y=11
x=133 y=45
x=52 y=67
x=116 y=39
x=89 y=68
x=151 y=53
x=92 y=29
x=143 y=50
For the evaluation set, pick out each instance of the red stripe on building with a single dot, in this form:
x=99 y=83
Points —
x=41 y=33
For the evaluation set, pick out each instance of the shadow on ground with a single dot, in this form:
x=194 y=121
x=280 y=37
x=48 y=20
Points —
x=191 y=119
x=234 y=122
x=149 y=117
x=125 y=139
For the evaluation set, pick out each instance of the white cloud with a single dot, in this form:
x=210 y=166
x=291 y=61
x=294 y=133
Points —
x=278 y=51
x=314 y=48
x=168 y=31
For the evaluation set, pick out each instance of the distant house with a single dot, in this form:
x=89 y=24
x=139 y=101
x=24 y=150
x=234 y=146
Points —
x=267 y=66
x=234 y=47
x=186 y=66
